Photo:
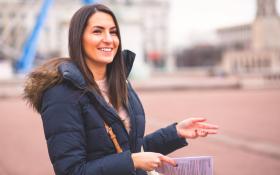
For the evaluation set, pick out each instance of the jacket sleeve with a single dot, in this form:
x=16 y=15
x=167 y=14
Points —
x=66 y=139
x=164 y=141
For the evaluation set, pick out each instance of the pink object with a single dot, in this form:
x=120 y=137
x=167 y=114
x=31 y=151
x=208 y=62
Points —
x=202 y=165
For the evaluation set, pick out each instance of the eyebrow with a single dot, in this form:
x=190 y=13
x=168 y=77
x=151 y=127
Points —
x=100 y=27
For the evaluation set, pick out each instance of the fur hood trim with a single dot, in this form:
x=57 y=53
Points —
x=40 y=79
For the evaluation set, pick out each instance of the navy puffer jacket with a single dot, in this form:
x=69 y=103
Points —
x=78 y=144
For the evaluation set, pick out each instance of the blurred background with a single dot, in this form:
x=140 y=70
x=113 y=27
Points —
x=217 y=59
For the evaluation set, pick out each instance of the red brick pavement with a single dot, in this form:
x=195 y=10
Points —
x=23 y=149
x=251 y=115
x=241 y=114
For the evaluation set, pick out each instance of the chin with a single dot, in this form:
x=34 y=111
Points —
x=107 y=60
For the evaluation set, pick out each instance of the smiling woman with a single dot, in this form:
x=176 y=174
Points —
x=93 y=120
x=101 y=42
x=93 y=31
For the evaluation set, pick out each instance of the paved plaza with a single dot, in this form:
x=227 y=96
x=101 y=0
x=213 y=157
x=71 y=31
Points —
x=248 y=142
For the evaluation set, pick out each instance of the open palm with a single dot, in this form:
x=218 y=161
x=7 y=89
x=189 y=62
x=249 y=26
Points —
x=195 y=127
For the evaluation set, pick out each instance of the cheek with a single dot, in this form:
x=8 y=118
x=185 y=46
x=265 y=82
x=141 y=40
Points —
x=117 y=42
x=90 y=41
x=86 y=43
x=89 y=44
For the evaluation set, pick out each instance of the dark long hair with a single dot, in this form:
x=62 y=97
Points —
x=116 y=76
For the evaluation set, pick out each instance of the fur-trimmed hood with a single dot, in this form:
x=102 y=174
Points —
x=52 y=73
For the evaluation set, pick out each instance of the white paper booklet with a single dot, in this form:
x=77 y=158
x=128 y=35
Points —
x=202 y=165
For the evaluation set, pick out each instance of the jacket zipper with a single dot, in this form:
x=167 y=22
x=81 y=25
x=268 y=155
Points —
x=133 y=133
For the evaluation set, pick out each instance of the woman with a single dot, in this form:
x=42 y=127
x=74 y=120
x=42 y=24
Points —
x=77 y=96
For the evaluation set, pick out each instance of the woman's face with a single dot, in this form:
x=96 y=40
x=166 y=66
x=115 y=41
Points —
x=100 y=40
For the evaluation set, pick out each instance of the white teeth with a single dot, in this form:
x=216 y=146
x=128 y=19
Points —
x=106 y=49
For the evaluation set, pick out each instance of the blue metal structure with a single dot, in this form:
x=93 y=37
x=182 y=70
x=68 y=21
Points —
x=29 y=49
x=88 y=1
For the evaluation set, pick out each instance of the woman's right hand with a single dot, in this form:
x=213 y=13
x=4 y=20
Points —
x=149 y=161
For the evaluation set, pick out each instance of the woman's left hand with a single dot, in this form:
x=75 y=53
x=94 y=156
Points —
x=192 y=128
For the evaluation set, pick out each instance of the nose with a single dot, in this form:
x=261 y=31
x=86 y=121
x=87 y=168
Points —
x=107 y=37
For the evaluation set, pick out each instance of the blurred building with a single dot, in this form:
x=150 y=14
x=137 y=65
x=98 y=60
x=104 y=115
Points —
x=17 y=20
x=143 y=26
x=203 y=56
x=253 y=49
x=236 y=37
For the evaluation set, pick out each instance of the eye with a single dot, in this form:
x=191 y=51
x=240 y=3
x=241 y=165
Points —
x=96 y=31
x=114 y=32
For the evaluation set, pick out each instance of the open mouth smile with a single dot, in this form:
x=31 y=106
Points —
x=105 y=49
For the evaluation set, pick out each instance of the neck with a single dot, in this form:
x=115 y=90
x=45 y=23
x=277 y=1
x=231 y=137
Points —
x=98 y=70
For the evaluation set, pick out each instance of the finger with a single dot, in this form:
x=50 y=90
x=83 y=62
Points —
x=196 y=132
x=168 y=160
x=160 y=164
x=207 y=126
x=212 y=131
x=158 y=161
x=205 y=132
x=198 y=119
x=155 y=165
x=202 y=133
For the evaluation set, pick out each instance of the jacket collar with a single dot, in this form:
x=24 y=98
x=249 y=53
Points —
x=70 y=71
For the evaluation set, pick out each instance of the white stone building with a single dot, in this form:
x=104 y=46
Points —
x=254 y=49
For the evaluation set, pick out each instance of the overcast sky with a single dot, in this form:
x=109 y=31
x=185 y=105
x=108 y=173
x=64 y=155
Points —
x=194 y=20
